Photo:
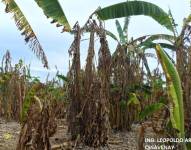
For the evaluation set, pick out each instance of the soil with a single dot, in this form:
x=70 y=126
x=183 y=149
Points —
x=9 y=133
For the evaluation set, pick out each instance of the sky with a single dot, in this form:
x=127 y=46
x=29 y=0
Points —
x=56 y=44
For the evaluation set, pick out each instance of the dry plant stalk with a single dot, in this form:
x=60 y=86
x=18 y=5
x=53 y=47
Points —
x=13 y=88
x=104 y=73
x=89 y=91
x=183 y=59
x=75 y=86
x=39 y=125
x=96 y=109
x=126 y=73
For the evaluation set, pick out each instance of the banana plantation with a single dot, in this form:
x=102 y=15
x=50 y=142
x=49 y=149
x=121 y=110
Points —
x=116 y=100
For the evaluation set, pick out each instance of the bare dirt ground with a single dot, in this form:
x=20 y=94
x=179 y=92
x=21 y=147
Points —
x=9 y=133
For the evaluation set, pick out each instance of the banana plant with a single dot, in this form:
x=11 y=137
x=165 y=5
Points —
x=134 y=8
x=174 y=91
x=146 y=44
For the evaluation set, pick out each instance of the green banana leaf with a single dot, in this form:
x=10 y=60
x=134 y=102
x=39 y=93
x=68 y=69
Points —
x=149 y=110
x=53 y=9
x=29 y=99
x=174 y=91
x=126 y=24
x=153 y=45
x=109 y=33
x=169 y=38
x=133 y=8
x=26 y=105
x=62 y=77
x=122 y=37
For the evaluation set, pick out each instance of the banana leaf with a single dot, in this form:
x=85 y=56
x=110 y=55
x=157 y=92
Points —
x=26 y=29
x=174 y=91
x=149 y=110
x=53 y=9
x=133 y=8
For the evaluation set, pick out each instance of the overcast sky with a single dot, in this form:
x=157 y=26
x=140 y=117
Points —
x=56 y=44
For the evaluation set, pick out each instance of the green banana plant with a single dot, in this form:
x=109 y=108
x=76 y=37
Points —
x=174 y=91
x=146 y=44
x=133 y=8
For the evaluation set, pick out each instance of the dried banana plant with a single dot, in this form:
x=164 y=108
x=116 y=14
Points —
x=104 y=73
x=75 y=86
x=7 y=62
x=120 y=71
x=183 y=59
x=89 y=89
x=89 y=107
x=97 y=92
x=126 y=80
x=39 y=120
x=13 y=86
